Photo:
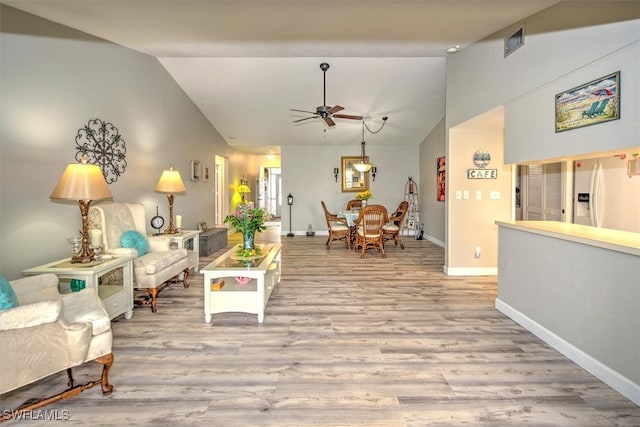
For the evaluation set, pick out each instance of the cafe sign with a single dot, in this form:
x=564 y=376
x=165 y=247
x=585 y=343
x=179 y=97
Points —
x=482 y=173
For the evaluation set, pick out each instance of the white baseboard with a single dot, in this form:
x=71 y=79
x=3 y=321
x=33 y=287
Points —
x=470 y=271
x=612 y=378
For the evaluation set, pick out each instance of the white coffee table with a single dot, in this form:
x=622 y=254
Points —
x=112 y=279
x=252 y=297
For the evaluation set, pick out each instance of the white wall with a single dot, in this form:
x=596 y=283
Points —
x=432 y=211
x=308 y=175
x=54 y=80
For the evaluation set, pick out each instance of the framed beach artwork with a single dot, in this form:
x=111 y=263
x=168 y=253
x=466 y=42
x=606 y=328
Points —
x=352 y=180
x=595 y=102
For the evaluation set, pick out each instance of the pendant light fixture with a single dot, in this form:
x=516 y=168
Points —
x=362 y=165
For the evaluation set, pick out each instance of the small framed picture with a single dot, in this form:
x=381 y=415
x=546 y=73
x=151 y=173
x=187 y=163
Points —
x=205 y=173
x=195 y=170
x=202 y=226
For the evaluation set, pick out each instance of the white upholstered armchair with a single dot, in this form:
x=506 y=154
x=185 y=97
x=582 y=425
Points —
x=156 y=262
x=48 y=332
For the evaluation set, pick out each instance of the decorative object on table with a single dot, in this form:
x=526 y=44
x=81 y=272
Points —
x=290 y=203
x=76 y=244
x=216 y=286
x=242 y=280
x=157 y=222
x=76 y=285
x=202 y=226
x=248 y=221
x=595 y=102
x=102 y=144
x=441 y=175
x=247 y=254
x=195 y=170
x=84 y=183
x=243 y=189
x=179 y=222
x=363 y=196
x=171 y=183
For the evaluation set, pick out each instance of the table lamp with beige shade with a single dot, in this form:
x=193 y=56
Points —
x=83 y=183
x=171 y=183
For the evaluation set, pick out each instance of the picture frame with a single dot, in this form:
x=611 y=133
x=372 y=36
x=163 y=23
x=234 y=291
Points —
x=202 y=226
x=205 y=173
x=441 y=175
x=592 y=103
x=195 y=170
x=352 y=180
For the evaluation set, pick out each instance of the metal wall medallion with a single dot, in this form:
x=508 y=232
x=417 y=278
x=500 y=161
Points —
x=104 y=146
x=481 y=158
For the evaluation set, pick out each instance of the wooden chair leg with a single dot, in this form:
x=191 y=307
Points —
x=184 y=279
x=107 y=362
x=153 y=292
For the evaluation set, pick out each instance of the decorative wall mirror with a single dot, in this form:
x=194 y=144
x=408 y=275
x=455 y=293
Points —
x=352 y=180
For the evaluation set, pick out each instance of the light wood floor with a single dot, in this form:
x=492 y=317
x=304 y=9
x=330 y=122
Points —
x=345 y=342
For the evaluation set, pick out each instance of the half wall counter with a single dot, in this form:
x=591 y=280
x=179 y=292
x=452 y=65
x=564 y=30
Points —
x=578 y=289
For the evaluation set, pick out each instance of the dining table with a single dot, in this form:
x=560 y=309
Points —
x=351 y=217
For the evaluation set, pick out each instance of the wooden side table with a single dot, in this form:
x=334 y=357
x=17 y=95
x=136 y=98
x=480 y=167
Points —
x=112 y=278
x=189 y=240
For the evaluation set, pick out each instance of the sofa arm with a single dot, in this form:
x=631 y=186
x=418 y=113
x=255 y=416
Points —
x=26 y=316
x=123 y=251
x=31 y=289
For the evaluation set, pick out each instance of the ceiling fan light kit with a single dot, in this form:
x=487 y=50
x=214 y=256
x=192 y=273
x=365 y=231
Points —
x=324 y=112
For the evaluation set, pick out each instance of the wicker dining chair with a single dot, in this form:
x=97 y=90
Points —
x=354 y=203
x=392 y=230
x=338 y=228
x=369 y=229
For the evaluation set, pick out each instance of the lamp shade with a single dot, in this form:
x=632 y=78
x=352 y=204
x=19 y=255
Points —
x=243 y=188
x=81 y=181
x=170 y=182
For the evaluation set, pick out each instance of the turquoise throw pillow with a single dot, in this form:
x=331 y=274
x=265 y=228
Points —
x=135 y=239
x=8 y=298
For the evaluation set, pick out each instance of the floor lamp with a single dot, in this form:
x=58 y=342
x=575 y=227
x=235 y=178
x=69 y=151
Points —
x=290 y=202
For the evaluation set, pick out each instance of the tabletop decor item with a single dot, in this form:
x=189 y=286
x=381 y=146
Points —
x=364 y=196
x=248 y=221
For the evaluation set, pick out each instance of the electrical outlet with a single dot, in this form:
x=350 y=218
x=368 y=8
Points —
x=478 y=195
x=458 y=195
x=477 y=253
x=466 y=194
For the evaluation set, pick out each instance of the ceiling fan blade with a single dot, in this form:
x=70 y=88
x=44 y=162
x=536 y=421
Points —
x=306 y=118
x=329 y=121
x=335 y=109
x=347 y=116
x=303 y=111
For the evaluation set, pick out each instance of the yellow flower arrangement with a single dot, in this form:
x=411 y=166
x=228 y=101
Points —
x=364 y=195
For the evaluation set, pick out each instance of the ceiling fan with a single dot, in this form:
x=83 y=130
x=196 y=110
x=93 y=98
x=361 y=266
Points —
x=325 y=112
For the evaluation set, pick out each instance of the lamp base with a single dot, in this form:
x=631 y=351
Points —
x=81 y=259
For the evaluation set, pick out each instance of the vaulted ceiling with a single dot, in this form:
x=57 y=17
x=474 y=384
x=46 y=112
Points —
x=247 y=63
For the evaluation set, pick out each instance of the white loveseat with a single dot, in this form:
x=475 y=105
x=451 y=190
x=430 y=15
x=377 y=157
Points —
x=48 y=332
x=153 y=269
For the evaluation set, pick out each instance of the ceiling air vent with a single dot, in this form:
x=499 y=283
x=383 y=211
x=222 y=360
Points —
x=514 y=41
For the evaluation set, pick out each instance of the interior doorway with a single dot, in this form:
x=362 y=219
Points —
x=270 y=195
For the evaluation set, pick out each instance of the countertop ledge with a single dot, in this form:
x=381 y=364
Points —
x=616 y=240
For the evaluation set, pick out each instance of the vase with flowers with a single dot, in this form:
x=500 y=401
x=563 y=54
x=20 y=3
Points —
x=364 y=196
x=248 y=221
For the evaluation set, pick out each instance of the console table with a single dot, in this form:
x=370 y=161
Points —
x=112 y=278
x=263 y=274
